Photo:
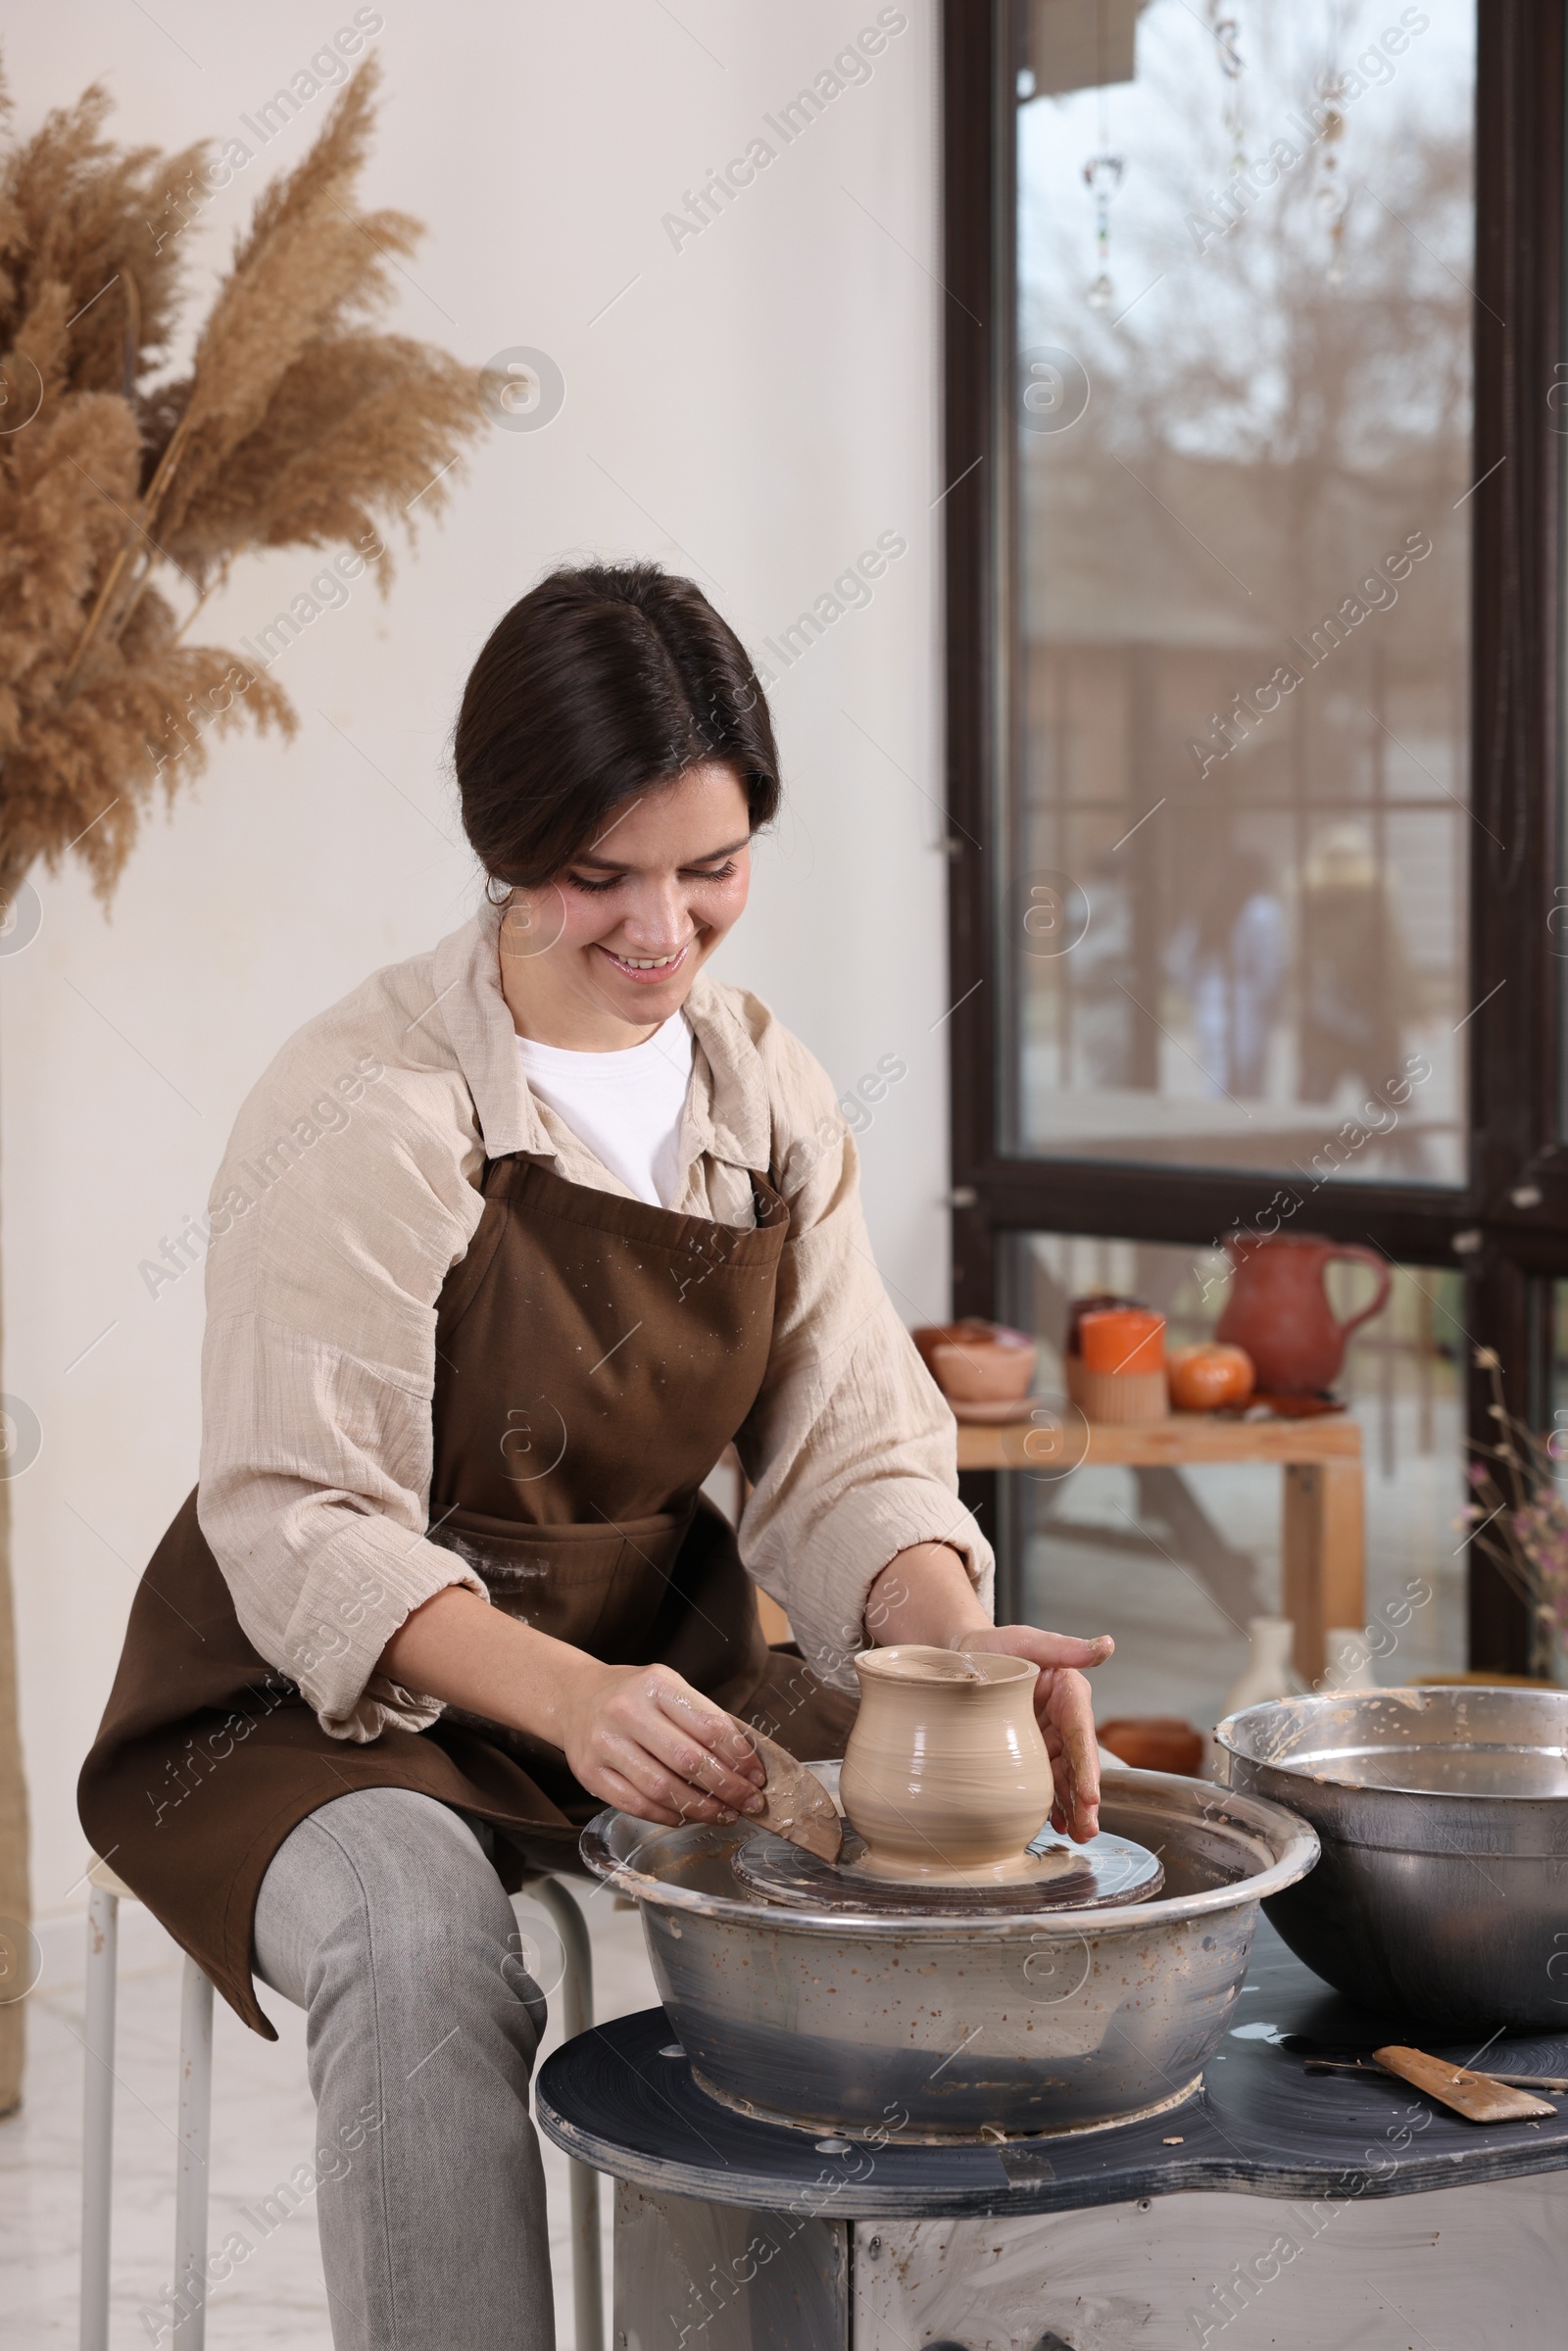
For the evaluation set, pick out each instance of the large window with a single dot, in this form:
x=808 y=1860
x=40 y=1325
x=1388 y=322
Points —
x=1256 y=405
x=1235 y=836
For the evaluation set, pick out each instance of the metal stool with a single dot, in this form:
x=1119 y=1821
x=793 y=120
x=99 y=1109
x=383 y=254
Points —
x=196 y=2112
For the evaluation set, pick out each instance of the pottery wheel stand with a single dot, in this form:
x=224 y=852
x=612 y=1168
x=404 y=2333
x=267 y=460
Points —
x=1303 y=2212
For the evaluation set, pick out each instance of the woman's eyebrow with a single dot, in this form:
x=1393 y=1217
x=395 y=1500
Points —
x=706 y=856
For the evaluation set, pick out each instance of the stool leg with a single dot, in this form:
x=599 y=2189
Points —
x=98 y=2117
x=577 y=2015
x=195 y=2143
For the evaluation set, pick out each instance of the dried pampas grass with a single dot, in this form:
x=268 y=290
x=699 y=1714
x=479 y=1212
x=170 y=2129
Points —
x=124 y=498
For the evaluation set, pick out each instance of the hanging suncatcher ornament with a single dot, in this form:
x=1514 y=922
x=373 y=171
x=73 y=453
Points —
x=1102 y=177
x=1332 y=195
x=1227 y=35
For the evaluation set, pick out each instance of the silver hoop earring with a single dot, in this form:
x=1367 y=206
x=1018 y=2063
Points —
x=490 y=881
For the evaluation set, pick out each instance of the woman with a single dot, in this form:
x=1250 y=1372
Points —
x=506 y=1248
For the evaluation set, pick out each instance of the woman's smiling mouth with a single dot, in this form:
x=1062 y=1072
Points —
x=646 y=971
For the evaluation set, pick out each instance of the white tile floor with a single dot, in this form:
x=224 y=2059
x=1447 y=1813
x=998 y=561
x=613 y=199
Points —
x=261 y=2127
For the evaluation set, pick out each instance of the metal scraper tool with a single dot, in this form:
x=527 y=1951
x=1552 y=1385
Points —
x=799 y=1806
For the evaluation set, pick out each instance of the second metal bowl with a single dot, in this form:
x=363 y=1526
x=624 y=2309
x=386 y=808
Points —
x=1443 y=1889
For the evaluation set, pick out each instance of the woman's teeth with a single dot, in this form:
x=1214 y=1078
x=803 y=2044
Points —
x=646 y=962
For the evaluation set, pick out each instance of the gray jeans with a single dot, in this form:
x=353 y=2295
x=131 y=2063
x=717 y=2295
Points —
x=381 y=1917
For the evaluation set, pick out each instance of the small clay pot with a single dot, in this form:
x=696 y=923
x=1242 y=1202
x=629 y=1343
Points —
x=1153 y=1742
x=977 y=1362
x=945 y=1775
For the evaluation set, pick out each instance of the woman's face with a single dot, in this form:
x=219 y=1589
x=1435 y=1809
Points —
x=600 y=957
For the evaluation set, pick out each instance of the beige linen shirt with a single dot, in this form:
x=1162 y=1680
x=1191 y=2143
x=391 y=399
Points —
x=347 y=1196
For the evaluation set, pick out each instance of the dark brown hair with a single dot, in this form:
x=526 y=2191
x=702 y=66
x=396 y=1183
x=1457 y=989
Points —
x=602 y=682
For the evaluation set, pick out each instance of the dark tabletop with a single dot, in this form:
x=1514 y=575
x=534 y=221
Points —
x=1259 y=2126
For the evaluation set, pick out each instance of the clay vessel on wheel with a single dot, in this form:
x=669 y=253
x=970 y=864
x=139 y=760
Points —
x=946 y=1776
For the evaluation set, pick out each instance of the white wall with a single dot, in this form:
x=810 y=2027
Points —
x=755 y=408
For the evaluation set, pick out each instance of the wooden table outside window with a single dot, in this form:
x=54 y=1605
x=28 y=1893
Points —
x=1324 y=1505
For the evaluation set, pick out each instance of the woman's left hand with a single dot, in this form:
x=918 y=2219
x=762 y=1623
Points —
x=1066 y=1712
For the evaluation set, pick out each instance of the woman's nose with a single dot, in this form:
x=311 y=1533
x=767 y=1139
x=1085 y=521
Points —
x=657 y=919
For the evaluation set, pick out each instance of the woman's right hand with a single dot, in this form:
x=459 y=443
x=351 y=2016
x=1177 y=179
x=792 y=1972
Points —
x=646 y=1741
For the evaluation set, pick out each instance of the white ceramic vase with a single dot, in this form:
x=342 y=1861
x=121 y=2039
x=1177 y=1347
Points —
x=1348 y=1656
x=1268 y=1673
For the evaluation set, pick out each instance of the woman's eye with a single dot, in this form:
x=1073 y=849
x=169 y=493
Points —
x=594 y=886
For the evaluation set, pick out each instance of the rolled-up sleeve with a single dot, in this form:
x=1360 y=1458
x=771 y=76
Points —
x=335 y=1219
x=849 y=1447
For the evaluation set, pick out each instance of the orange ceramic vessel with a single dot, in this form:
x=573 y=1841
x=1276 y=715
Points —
x=1122 y=1338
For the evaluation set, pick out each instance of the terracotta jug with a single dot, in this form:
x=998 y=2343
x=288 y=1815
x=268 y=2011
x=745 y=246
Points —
x=945 y=1775
x=1279 y=1310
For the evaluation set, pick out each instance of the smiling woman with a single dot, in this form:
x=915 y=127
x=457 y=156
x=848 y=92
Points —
x=464 y=1374
x=614 y=756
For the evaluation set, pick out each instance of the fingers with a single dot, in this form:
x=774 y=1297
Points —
x=657 y=1737
x=1069 y=1716
x=703 y=1743
x=707 y=1726
x=1045 y=1649
x=1067 y=1649
x=667 y=1791
x=671 y=1745
x=625 y=1797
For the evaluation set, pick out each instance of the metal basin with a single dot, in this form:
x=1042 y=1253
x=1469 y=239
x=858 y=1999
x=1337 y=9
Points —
x=929 y=2029
x=1442 y=1891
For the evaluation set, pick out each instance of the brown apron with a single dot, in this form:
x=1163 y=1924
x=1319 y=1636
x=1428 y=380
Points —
x=594 y=1356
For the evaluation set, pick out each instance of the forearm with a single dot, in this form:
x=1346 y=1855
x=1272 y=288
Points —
x=638 y=1736
x=458 y=1648
x=923 y=1594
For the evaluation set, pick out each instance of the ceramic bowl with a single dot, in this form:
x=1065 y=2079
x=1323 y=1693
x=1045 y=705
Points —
x=979 y=1363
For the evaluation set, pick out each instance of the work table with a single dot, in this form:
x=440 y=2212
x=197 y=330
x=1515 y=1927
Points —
x=1327 y=2194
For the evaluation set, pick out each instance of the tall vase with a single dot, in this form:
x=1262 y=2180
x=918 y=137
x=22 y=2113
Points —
x=1268 y=1672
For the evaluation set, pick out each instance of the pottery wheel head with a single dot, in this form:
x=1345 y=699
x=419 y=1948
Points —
x=1105 y=1873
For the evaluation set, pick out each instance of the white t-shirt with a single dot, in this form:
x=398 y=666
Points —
x=626 y=1106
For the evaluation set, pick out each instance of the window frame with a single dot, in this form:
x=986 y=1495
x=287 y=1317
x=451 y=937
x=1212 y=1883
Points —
x=1507 y=1223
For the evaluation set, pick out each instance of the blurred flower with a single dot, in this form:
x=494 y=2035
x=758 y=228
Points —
x=1519 y=1516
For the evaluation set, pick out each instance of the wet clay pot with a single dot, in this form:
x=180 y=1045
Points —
x=1279 y=1310
x=946 y=1776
